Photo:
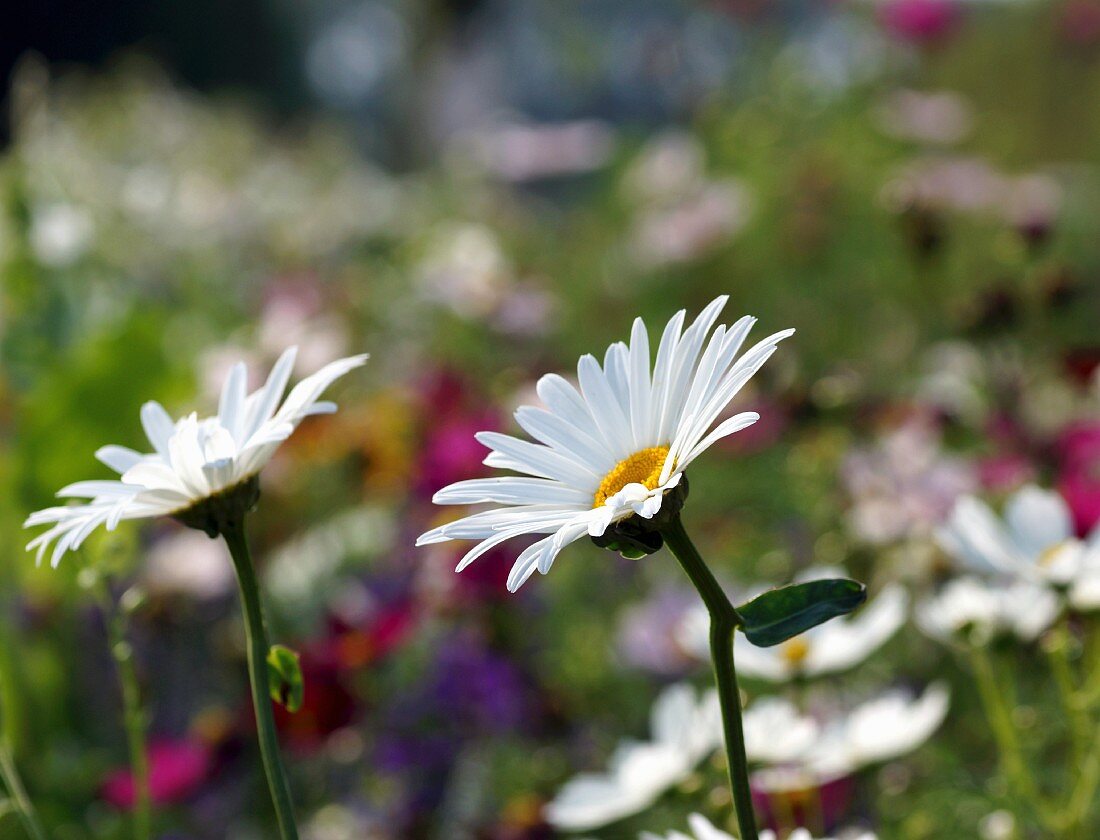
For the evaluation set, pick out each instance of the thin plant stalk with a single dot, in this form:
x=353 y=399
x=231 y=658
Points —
x=17 y=794
x=1004 y=732
x=1058 y=652
x=132 y=711
x=258 y=647
x=724 y=620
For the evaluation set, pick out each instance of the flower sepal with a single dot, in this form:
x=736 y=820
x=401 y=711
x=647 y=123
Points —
x=212 y=514
x=630 y=540
x=637 y=537
x=779 y=614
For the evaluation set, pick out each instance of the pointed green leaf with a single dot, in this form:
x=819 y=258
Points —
x=284 y=675
x=779 y=614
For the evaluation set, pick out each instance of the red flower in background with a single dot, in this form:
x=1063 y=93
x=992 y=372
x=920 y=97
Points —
x=177 y=769
x=327 y=706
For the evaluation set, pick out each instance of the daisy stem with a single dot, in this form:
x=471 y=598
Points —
x=723 y=622
x=18 y=794
x=133 y=714
x=258 y=647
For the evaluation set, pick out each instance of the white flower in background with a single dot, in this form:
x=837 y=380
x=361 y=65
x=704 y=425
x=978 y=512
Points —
x=776 y=733
x=684 y=732
x=702 y=829
x=670 y=166
x=881 y=729
x=886 y=727
x=1034 y=542
x=903 y=486
x=693 y=226
x=466 y=270
x=188 y=563
x=968 y=605
x=194 y=458
x=941 y=118
x=518 y=151
x=612 y=448
x=828 y=648
x=60 y=234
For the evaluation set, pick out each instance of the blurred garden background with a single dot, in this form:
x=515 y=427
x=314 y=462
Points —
x=477 y=192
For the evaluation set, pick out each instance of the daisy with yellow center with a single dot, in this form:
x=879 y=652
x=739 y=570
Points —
x=610 y=447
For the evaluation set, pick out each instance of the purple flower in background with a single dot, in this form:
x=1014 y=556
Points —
x=647 y=637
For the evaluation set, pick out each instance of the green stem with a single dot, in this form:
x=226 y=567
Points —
x=1058 y=654
x=18 y=794
x=1004 y=732
x=133 y=714
x=723 y=622
x=258 y=647
x=1082 y=800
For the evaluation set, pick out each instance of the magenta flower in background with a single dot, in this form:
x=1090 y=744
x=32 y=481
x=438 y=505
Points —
x=924 y=22
x=1078 y=450
x=781 y=795
x=449 y=452
x=177 y=769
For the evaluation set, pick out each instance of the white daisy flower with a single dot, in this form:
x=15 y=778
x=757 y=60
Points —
x=848 y=739
x=684 y=732
x=889 y=726
x=614 y=447
x=776 y=732
x=194 y=459
x=702 y=829
x=968 y=605
x=838 y=645
x=1034 y=542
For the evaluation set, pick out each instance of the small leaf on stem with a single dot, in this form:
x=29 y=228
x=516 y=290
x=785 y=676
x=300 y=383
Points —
x=285 y=677
x=779 y=614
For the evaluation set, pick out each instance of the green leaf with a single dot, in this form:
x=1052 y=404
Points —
x=284 y=674
x=779 y=614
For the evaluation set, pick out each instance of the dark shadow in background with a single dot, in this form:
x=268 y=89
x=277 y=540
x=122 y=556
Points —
x=249 y=44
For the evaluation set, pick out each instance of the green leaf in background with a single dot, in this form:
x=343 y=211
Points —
x=779 y=614
x=285 y=677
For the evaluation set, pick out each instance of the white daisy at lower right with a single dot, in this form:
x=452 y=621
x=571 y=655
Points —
x=703 y=829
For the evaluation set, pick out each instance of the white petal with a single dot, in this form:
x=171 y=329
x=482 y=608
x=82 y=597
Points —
x=158 y=426
x=118 y=458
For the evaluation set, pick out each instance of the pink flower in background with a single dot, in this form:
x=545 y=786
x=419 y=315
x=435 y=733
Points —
x=1005 y=472
x=1079 y=473
x=904 y=485
x=1080 y=23
x=919 y=21
x=177 y=769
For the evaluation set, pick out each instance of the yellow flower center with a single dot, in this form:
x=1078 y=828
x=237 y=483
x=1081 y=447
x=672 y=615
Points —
x=642 y=467
x=1051 y=553
x=795 y=651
